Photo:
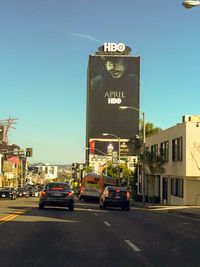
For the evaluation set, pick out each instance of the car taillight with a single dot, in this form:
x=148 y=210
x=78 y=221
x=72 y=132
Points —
x=81 y=189
x=70 y=194
x=44 y=193
x=100 y=190
x=128 y=194
x=57 y=188
x=107 y=193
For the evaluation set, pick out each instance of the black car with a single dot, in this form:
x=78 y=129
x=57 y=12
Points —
x=10 y=193
x=22 y=192
x=57 y=194
x=30 y=190
x=115 y=196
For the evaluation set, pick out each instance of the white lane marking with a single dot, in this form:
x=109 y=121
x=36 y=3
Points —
x=106 y=223
x=95 y=214
x=133 y=246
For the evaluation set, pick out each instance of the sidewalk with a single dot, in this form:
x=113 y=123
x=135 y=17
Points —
x=188 y=211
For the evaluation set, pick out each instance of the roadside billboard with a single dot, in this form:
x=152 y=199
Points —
x=7 y=166
x=113 y=81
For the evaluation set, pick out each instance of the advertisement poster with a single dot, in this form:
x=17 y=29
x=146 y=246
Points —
x=113 y=81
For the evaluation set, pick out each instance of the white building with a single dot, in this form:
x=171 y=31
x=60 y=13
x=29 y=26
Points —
x=99 y=162
x=42 y=173
x=180 y=183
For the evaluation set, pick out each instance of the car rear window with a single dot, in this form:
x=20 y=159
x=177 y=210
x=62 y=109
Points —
x=115 y=188
x=57 y=186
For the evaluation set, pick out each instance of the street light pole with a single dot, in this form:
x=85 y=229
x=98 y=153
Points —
x=144 y=141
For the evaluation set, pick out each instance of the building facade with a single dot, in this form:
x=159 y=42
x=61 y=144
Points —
x=13 y=166
x=42 y=173
x=179 y=184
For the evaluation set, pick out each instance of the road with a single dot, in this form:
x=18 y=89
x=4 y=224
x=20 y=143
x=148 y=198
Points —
x=90 y=236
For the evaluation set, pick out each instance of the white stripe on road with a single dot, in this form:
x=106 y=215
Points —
x=134 y=247
x=95 y=214
x=106 y=223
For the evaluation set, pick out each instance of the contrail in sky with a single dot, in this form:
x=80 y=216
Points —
x=84 y=36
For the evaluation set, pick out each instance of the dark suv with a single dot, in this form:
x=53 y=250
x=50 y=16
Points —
x=114 y=196
x=57 y=194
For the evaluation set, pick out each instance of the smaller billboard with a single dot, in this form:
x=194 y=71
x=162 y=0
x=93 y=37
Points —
x=92 y=146
x=107 y=147
x=7 y=166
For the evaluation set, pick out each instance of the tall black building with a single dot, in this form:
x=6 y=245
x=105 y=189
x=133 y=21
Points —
x=113 y=79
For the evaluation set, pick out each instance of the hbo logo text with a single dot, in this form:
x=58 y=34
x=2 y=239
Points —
x=114 y=100
x=113 y=47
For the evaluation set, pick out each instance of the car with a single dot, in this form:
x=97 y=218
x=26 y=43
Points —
x=7 y=192
x=115 y=196
x=31 y=191
x=22 y=192
x=34 y=193
x=57 y=194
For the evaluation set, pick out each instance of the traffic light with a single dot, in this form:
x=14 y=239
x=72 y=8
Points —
x=77 y=167
x=29 y=152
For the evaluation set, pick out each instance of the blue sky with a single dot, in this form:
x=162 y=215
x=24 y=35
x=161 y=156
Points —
x=44 y=51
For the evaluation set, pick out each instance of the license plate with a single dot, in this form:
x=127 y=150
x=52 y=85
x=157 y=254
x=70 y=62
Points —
x=57 y=194
x=3 y=195
x=117 y=196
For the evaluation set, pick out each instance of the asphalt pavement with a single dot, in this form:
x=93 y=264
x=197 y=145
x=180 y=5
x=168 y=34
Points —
x=91 y=236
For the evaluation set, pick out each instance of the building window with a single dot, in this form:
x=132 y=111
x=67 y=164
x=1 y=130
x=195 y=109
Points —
x=177 y=186
x=164 y=151
x=147 y=149
x=154 y=149
x=177 y=149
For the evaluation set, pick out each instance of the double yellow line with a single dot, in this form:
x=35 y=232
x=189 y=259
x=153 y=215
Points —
x=11 y=216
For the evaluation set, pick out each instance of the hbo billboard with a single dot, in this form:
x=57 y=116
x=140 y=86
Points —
x=112 y=81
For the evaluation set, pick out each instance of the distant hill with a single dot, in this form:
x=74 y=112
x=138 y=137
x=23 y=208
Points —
x=65 y=166
x=61 y=166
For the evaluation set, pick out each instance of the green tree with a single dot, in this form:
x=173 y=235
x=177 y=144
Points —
x=149 y=130
x=153 y=162
x=114 y=172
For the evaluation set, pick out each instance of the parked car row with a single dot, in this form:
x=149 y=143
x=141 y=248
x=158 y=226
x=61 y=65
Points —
x=10 y=193
x=13 y=193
